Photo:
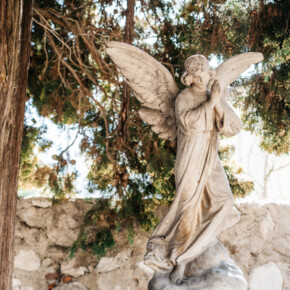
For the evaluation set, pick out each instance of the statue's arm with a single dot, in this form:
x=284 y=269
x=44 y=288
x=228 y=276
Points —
x=193 y=119
x=228 y=123
x=219 y=109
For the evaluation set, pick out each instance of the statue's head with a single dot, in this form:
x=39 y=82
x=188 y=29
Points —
x=197 y=70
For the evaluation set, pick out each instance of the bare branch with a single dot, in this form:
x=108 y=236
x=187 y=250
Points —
x=58 y=52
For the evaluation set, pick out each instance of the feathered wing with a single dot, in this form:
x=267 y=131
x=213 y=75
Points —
x=231 y=69
x=152 y=84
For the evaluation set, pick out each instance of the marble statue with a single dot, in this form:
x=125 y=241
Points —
x=194 y=117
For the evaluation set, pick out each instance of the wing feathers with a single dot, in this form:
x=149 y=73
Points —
x=231 y=69
x=152 y=84
x=152 y=117
x=134 y=63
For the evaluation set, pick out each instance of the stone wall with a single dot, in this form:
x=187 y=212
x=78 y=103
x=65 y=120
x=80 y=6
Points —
x=256 y=235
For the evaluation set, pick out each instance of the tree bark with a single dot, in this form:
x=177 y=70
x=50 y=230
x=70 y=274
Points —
x=129 y=33
x=15 y=30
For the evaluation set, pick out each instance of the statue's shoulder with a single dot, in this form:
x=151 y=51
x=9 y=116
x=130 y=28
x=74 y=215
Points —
x=184 y=95
x=187 y=99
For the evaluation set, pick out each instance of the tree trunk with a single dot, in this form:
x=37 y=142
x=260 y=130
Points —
x=15 y=27
x=129 y=33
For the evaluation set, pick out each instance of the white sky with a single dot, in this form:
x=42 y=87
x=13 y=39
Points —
x=252 y=159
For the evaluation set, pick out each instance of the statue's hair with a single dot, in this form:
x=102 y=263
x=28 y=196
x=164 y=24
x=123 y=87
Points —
x=198 y=61
x=193 y=60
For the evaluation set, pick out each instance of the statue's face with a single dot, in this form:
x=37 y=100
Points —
x=200 y=72
x=201 y=78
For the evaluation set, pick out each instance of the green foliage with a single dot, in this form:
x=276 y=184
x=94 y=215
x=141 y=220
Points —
x=73 y=82
x=230 y=27
x=101 y=222
x=95 y=232
x=104 y=241
x=131 y=235
x=267 y=112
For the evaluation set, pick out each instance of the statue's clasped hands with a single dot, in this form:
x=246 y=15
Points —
x=215 y=93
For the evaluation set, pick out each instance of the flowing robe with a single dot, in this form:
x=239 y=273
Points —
x=203 y=197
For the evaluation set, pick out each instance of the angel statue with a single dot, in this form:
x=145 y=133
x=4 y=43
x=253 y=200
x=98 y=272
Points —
x=195 y=117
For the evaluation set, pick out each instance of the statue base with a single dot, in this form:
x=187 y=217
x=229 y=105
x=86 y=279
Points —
x=212 y=270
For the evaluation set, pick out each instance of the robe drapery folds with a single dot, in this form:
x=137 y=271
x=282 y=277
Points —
x=203 y=196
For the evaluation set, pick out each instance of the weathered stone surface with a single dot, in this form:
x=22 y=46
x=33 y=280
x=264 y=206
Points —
x=27 y=261
x=71 y=286
x=108 y=264
x=285 y=271
x=212 y=270
x=145 y=268
x=261 y=236
x=233 y=219
x=34 y=279
x=252 y=241
x=47 y=262
x=267 y=226
x=128 y=275
x=266 y=277
x=69 y=267
x=35 y=217
x=16 y=282
x=41 y=202
x=62 y=240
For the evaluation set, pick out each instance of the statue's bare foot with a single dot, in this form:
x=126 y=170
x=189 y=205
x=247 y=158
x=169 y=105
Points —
x=177 y=274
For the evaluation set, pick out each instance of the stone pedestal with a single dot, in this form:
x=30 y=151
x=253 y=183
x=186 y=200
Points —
x=212 y=270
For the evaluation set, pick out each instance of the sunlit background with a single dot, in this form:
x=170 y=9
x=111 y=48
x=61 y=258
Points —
x=270 y=173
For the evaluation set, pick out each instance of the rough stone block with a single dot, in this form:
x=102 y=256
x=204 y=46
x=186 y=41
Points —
x=71 y=286
x=41 y=202
x=69 y=268
x=266 y=277
x=27 y=261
